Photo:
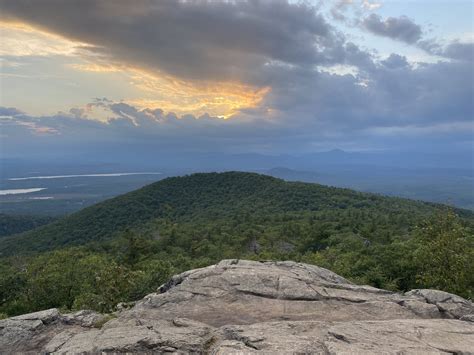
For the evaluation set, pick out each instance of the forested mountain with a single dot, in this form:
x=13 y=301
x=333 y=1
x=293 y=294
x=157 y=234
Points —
x=217 y=198
x=14 y=224
x=133 y=242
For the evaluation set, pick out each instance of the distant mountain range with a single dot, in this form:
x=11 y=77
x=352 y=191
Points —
x=436 y=177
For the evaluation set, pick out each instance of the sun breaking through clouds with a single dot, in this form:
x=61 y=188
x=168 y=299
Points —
x=283 y=74
x=158 y=89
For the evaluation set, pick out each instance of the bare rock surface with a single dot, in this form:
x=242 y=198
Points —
x=240 y=306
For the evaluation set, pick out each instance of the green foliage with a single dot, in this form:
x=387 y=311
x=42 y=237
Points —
x=446 y=254
x=13 y=224
x=78 y=279
x=131 y=244
x=238 y=198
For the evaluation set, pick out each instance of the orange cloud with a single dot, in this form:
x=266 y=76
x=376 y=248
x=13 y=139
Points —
x=155 y=90
x=20 y=39
x=96 y=68
x=221 y=99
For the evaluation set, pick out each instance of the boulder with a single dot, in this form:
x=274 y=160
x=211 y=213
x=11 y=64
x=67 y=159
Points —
x=84 y=318
x=249 y=306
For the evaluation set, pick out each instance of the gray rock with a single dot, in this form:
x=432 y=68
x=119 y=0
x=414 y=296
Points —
x=452 y=306
x=468 y=317
x=417 y=336
x=28 y=331
x=84 y=318
x=46 y=316
x=240 y=306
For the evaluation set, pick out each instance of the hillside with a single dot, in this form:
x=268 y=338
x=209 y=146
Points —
x=214 y=197
x=14 y=224
x=123 y=248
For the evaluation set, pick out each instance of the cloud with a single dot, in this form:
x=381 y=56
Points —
x=459 y=51
x=9 y=111
x=397 y=28
x=413 y=130
x=189 y=56
x=288 y=79
x=395 y=61
x=455 y=49
x=305 y=109
x=371 y=5
x=340 y=9
x=462 y=51
x=22 y=40
x=127 y=130
x=196 y=40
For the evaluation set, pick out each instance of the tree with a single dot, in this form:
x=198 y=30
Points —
x=445 y=255
x=53 y=279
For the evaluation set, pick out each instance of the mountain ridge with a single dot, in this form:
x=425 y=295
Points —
x=206 y=195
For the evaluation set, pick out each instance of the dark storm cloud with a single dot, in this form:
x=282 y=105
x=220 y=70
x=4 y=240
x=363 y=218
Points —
x=390 y=94
x=398 y=28
x=191 y=39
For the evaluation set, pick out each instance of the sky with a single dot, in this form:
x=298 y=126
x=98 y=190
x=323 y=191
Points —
x=267 y=77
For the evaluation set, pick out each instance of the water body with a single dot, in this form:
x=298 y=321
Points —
x=79 y=175
x=21 y=191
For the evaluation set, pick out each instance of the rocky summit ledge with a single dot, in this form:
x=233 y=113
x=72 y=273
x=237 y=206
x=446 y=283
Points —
x=240 y=306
